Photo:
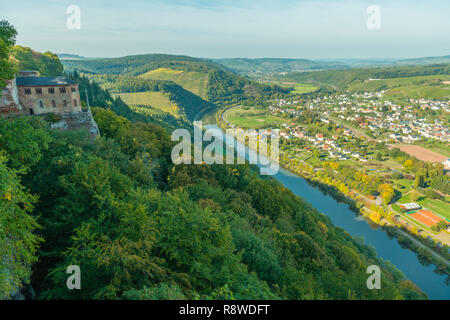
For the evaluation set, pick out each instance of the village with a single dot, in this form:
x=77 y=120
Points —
x=357 y=135
x=365 y=116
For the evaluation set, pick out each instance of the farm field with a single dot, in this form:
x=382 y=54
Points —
x=438 y=146
x=421 y=153
x=420 y=91
x=155 y=99
x=299 y=88
x=251 y=118
x=195 y=82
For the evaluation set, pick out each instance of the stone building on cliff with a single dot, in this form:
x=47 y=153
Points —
x=30 y=94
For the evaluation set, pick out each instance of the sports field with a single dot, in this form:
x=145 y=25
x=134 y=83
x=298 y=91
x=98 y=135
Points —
x=426 y=217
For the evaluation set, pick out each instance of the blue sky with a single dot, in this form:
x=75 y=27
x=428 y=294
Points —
x=320 y=29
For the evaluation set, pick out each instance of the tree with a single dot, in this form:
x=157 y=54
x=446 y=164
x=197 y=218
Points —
x=7 y=40
x=414 y=195
x=420 y=178
x=379 y=156
x=408 y=164
x=18 y=244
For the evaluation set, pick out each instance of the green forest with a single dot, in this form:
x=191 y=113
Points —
x=141 y=228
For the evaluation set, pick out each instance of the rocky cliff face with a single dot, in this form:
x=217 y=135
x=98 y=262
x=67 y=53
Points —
x=77 y=121
x=9 y=99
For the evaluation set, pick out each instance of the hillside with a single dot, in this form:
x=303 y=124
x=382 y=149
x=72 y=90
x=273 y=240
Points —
x=424 y=60
x=195 y=82
x=276 y=65
x=163 y=95
x=123 y=208
x=206 y=79
x=357 y=79
x=272 y=66
x=46 y=63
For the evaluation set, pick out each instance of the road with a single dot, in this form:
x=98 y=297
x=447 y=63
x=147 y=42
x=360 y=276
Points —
x=358 y=132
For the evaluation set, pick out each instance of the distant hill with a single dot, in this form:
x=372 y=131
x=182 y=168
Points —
x=277 y=65
x=341 y=79
x=268 y=66
x=424 y=61
x=46 y=63
x=66 y=56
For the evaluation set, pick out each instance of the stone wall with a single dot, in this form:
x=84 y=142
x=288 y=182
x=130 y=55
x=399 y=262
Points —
x=51 y=102
x=9 y=99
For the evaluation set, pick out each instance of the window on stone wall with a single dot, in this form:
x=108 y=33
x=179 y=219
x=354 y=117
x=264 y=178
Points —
x=62 y=90
x=38 y=90
x=53 y=104
x=65 y=103
x=41 y=104
x=73 y=89
x=27 y=91
x=75 y=103
x=51 y=90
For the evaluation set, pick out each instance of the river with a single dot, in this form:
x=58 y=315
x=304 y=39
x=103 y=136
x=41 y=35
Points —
x=388 y=248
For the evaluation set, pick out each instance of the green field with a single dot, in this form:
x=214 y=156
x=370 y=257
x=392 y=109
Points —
x=155 y=99
x=252 y=118
x=428 y=87
x=442 y=208
x=420 y=91
x=194 y=82
x=299 y=88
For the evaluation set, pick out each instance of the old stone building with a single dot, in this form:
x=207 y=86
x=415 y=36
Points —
x=33 y=95
x=30 y=94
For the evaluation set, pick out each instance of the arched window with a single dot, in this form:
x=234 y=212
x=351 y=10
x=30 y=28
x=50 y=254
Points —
x=41 y=104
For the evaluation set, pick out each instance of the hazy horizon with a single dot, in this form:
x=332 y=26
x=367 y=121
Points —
x=319 y=30
x=256 y=58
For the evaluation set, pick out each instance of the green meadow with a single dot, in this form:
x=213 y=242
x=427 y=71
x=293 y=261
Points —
x=155 y=99
x=251 y=118
x=195 y=82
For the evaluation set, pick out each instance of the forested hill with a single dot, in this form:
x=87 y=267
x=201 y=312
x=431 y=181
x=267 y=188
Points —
x=48 y=64
x=209 y=80
x=276 y=65
x=340 y=79
x=102 y=98
x=142 y=228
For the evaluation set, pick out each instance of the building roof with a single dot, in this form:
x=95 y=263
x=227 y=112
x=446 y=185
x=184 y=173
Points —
x=410 y=206
x=43 y=81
